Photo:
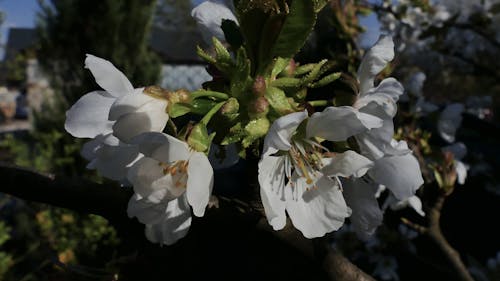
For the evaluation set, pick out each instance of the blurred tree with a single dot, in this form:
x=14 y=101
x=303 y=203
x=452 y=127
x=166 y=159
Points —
x=115 y=30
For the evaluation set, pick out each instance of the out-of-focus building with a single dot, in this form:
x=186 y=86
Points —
x=182 y=68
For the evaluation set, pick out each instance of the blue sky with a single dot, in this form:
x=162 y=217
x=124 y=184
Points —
x=18 y=13
x=22 y=13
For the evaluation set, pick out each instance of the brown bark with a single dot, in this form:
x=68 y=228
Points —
x=237 y=232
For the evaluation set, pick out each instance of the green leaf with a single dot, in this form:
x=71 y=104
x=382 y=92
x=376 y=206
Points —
x=202 y=106
x=222 y=54
x=326 y=80
x=296 y=28
x=199 y=139
x=315 y=72
x=278 y=100
x=179 y=109
x=303 y=69
x=280 y=64
x=240 y=78
x=232 y=33
x=202 y=54
x=255 y=129
x=270 y=34
x=319 y=4
x=235 y=134
x=287 y=82
x=251 y=25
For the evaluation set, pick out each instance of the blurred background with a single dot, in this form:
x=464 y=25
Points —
x=446 y=55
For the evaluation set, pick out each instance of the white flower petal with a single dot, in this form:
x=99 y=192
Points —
x=200 y=182
x=381 y=101
x=413 y=201
x=90 y=148
x=108 y=76
x=129 y=103
x=272 y=182
x=375 y=143
x=161 y=147
x=361 y=198
x=400 y=174
x=316 y=211
x=416 y=204
x=150 y=117
x=88 y=117
x=148 y=179
x=374 y=62
x=346 y=164
x=113 y=162
x=209 y=16
x=174 y=225
x=461 y=170
x=145 y=211
x=339 y=123
x=449 y=121
x=281 y=132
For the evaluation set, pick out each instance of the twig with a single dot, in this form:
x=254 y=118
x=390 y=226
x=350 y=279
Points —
x=434 y=232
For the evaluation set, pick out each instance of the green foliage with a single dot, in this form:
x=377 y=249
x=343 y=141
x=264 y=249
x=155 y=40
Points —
x=44 y=151
x=81 y=235
x=5 y=258
x=68 y=30
x=298 y=25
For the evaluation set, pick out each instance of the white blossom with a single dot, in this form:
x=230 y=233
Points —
x=168 y=180
x=111 y=117
x=449 y=121
x=209 y=16
x=295 y=177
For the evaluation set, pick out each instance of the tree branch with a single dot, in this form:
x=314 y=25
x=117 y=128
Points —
x=246 y=229
x=80 y=195
x=434 y=232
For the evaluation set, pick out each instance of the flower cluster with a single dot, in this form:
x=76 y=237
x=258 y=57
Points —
x=128 y=145
x=318 y=167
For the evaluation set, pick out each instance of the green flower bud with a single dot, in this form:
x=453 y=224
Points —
x=199 y=139
x=230 y=107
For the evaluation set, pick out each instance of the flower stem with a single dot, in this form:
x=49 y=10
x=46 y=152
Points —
x=205 y=93
x=318 y=102
x=211 y=113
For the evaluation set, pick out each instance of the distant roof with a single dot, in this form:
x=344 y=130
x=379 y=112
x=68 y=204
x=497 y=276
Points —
x=19 y=39
x=173 y=46
x=176 y=45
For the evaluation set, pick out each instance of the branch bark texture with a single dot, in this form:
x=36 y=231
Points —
x=240 y=236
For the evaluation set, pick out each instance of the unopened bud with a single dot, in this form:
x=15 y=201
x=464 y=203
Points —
x=261 y=105
x=198 y=138
x=290 y=69
x=230 y=107
x=259 y=86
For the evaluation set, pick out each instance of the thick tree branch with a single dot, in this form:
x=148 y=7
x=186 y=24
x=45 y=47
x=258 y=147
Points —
x=79 y=195
x=246 y=226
